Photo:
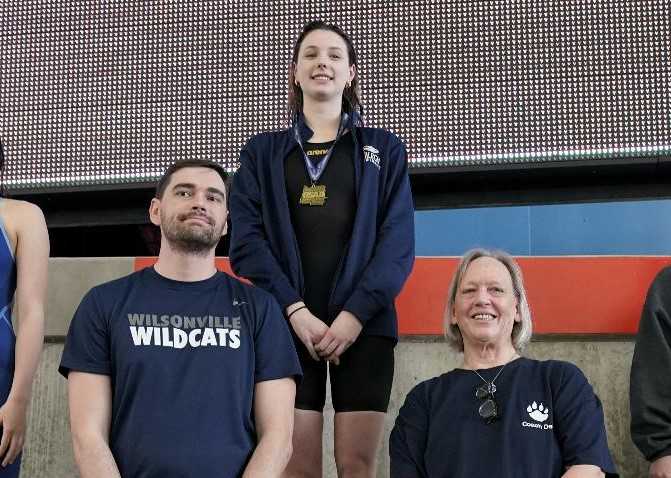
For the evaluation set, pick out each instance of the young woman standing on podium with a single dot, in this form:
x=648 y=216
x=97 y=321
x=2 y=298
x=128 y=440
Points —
x=322 y=217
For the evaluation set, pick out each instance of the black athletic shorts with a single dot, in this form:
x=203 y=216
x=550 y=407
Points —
x=362 y=381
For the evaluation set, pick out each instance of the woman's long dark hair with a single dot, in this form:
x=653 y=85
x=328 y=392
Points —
x=351 y=99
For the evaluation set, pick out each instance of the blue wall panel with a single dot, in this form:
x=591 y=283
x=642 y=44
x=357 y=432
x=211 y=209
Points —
x=451 y=232
x=617 y=228
x=613 y=228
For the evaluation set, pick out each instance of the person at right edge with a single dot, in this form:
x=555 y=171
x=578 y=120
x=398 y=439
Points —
x=650 y=384
x=322 y=218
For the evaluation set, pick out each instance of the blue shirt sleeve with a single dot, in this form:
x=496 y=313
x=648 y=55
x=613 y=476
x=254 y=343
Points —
x=579 y=423
x=87 y=343
x=407 y=442
x=274 y=349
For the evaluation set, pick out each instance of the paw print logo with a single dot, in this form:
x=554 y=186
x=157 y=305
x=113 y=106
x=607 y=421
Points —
x=538 y=412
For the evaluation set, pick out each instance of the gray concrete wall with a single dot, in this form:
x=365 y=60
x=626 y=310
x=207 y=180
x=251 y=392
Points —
x=48 y=451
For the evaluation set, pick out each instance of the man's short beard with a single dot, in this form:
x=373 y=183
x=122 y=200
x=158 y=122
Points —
x=188 y=240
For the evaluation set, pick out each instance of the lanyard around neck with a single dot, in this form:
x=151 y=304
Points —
x=315 y=170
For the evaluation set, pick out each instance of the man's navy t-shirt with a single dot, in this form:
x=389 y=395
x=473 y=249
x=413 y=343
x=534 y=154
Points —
x=183 y=358
x=550 y=420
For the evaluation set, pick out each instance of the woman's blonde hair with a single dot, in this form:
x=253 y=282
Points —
x=521 y=334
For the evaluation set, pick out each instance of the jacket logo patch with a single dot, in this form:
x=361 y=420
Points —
x=371 y=155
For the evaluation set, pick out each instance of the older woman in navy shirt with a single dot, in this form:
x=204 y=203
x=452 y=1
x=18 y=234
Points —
x=499 y=414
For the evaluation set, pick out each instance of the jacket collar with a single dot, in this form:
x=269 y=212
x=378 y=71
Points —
x=305 y=133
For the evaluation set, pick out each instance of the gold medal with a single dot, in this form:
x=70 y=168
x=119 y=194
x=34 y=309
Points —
x=314 y=195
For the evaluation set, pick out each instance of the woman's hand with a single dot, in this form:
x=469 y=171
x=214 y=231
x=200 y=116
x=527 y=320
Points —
x=13 y=422
x=308 y=328
x=342 y=333
x=584 y=471
x=661 y=468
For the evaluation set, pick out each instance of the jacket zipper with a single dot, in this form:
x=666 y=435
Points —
x=357 y=180
x=336 y=276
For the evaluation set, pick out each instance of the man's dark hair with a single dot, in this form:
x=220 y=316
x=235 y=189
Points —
x=188 y=163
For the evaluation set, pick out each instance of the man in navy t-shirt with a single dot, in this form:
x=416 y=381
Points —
x=180 y=370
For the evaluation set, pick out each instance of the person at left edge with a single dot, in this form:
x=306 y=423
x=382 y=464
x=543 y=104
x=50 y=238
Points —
x=24 y=259
x=179 y=370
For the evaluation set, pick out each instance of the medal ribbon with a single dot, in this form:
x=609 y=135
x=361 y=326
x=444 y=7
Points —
x=316 y=170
